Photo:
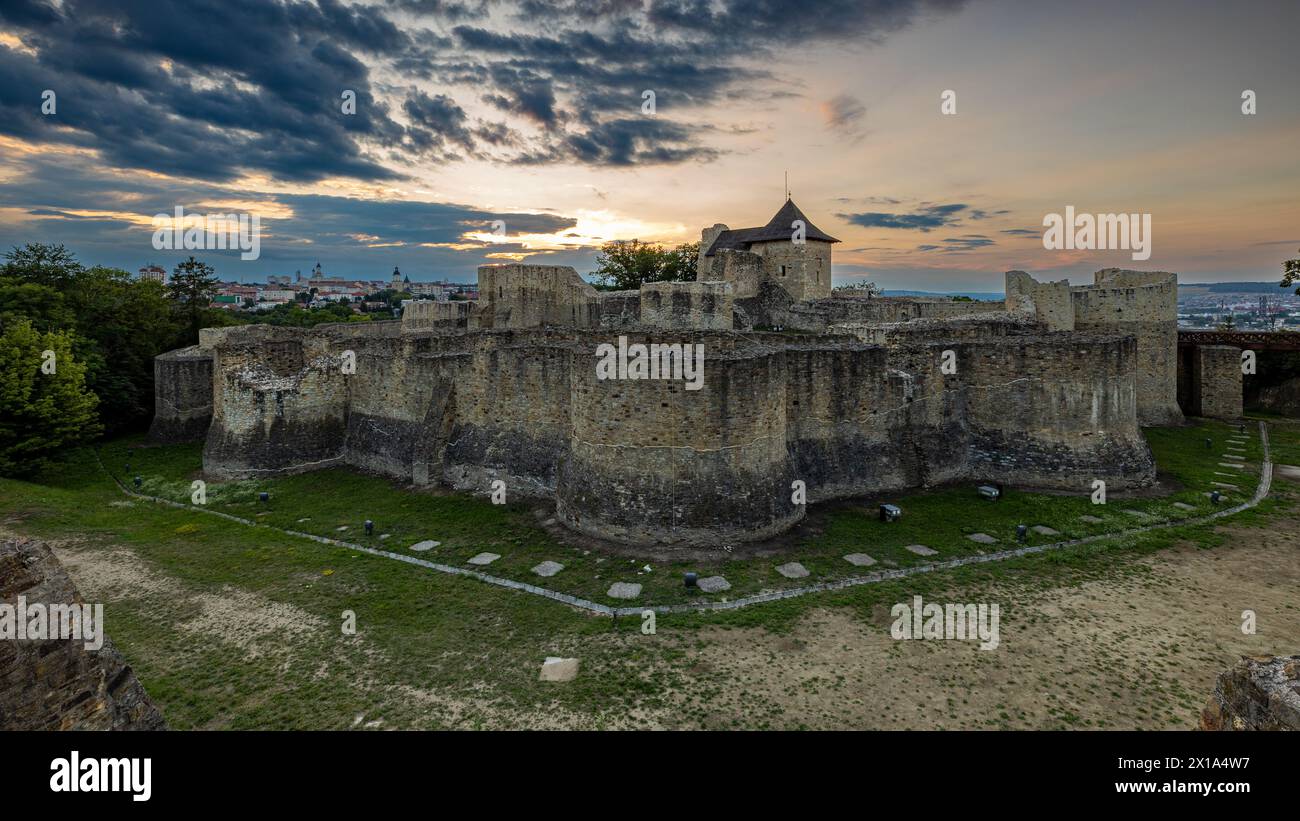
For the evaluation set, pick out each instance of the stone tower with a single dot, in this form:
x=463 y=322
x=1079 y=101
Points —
x=776 y=253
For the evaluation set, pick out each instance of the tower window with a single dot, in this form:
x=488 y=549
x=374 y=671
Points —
x=782 y=270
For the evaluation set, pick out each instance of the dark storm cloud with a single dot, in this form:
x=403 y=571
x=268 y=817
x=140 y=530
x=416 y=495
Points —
x=925 y=219
x=212 y=89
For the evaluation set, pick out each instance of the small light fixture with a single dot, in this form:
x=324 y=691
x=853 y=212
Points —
x=1022 y=532
x=1215 y=496
x=691 y=579
x=989 y=492
x=890 y=513
x=370 y=528
x=1209 y=443
x=264 y=497
x=138 y=481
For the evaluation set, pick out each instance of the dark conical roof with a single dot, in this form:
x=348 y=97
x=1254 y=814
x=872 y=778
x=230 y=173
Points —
x=778 y=229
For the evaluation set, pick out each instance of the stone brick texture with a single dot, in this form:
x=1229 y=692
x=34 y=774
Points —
x=58 y=684
x=856 y=404
x=1258 y=693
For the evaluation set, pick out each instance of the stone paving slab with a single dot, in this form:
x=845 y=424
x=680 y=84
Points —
x=982 y=538
x=1230 y=465
x=920 y=550
x=548 y=568
x=1092 y=520
x=1184 y=506
x=558 y=669
x=1234 y=457
x=1226 y=484
x=420 y=547
x=1044 y=530
x=485 y=558
x=792 y=570
x=623 y=590
x=714 y=584
x=859 y=560
x=1288 y=471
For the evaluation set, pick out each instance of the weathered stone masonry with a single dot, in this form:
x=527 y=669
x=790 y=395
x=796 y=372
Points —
x=858 y=404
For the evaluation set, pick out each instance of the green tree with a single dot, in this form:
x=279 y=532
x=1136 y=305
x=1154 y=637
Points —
x=51 y=265
x=193 y=286
x=627 y=264
x=45 y=405
x=1291 y=274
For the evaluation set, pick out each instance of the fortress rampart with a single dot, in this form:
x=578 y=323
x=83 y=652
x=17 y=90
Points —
x=857 y=409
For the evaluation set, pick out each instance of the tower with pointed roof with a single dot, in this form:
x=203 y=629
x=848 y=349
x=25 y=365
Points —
x=789 y=251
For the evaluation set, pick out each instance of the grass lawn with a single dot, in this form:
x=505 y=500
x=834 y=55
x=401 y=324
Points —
x=435 y=650
x=325 y=501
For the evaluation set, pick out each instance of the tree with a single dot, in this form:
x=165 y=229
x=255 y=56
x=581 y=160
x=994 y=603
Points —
x=193 y=286
x=1228 y=323
x=627 y=264
x=45 y=405
x=1291 y=273
x=51 y=265
x=117 y=323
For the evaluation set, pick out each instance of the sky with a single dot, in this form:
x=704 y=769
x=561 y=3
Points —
x=487 y=132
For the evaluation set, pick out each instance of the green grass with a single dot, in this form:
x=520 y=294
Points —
x=940 y=519
x=478 y=645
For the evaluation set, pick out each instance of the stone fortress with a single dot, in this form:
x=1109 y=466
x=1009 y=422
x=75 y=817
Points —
x=855 y=396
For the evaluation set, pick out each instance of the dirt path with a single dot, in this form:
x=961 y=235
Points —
x=1136 y=650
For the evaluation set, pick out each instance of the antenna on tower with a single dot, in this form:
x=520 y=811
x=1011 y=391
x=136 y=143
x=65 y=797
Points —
x=787 y=185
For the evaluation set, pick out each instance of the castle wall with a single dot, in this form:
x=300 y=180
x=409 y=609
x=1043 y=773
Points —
x=511 y=418
x=1055 y=411
x=653 y=462
x=687 y=305
x=530 y=296
x=744 y=270
x=705 y=264
x=1144 y=304
x=453 y=313
x=648 y=461
x=182 y=405
x=1216 y=382
x=1049 y=302
x=275 y=409
x=59 y=684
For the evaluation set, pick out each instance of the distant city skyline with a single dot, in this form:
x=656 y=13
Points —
x=490 y=131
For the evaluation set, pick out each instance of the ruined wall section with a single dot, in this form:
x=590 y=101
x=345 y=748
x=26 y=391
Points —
x=1145 y=305
x=1049 y=302
x=653 y=462
x=1259 y=693
x=450 y=315
x=743 y=269
x=58 y=684
x=401 y=404
x=532 y=296
x=1055 y=411
x=182 y=388
x=279 y=404
x=1216 y=382
x=687 y=305
x=852 y=415
x=511 y=419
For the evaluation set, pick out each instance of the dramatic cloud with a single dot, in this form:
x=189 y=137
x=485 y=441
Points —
x=217 y=89
x=926 y=219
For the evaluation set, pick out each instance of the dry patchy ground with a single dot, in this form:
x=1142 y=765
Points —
x=1135 y=650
